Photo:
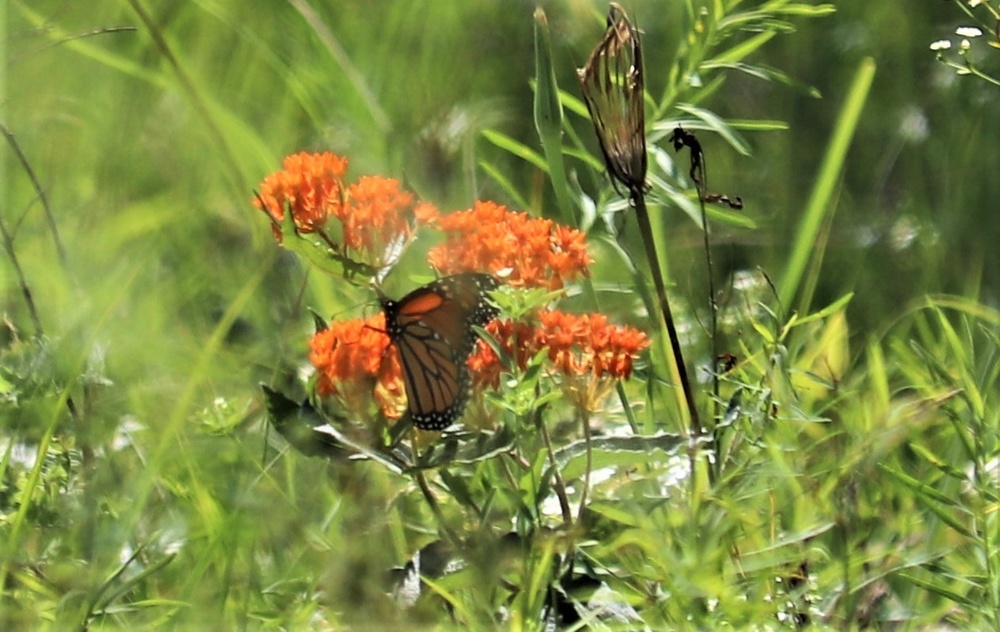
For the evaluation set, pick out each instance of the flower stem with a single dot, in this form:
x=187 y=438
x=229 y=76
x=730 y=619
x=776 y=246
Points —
x=639 y=203
x=448 y=534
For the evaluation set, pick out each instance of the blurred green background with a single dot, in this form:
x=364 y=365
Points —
x=149 y=146
x=148 y=126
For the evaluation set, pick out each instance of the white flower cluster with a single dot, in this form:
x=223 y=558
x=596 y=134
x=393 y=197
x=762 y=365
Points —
x=965 y=32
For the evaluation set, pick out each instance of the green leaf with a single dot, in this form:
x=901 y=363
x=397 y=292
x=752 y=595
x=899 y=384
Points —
x=830 y=309
x=758 y=125
x=628 y=451
x=549 y=117
x=931 y=499
x=918 y=486
x=940 y=590
x=614 y=513
x=309 y=432
x=743 y=49
x=465 y=447
x=947 y=468
x=766 y=73
x=458 y=487
x=736 y=219
x=505 y=184
x=516 y=148
x=804 y=10
x=806 y=249
x=319 y=254
x=574 y=104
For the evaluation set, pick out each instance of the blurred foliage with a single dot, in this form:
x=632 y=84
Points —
x=856 y=462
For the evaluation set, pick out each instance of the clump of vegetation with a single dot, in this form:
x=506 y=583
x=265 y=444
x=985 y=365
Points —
x=550 y=430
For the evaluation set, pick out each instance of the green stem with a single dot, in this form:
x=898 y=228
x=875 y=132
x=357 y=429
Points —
x=557 y=485
x=428 y=493
x=713 y=307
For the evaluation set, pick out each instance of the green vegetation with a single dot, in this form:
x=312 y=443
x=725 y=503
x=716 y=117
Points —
x=850 y=469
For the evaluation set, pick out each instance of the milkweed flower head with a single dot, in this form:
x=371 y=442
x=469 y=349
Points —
x=377 y=214
x=585 y=349
x=488 y=237
x=309 y=185
x=355 y=363
x=374 y=214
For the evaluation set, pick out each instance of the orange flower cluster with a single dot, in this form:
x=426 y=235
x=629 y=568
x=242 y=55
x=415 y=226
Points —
x=578 y=345
x=374 y=212
x=378 y=213
x=490 y=238
x=354 y=361
x=309 y=185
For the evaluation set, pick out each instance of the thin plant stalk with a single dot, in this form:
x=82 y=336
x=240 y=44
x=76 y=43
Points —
x=587 y=471
x=637 y=197
x=613 y=89
x=713 y=307
x=558 y=485
x=699 y=175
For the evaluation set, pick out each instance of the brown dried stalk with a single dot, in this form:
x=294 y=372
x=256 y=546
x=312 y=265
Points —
x=612 y=83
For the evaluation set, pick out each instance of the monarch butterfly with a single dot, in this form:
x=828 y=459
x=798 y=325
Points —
x=432 y=330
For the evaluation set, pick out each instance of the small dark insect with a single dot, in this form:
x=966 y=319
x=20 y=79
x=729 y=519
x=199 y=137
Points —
x=432 y=328
x=682 y=138
x=720 y=198
x=725 y=362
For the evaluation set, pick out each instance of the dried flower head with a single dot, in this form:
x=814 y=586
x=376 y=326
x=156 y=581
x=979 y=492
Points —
x=612 y=83
x=490 y=238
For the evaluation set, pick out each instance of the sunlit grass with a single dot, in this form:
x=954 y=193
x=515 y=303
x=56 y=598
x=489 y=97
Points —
x=141 y=485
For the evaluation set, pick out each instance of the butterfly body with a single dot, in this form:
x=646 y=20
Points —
x=432 y=329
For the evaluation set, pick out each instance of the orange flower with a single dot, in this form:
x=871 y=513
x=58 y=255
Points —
x=517 y=341
x=377 y=215
x=310 y=185
x=355 y=363
x=490 y=238
x=578 y=346
x=374 y=213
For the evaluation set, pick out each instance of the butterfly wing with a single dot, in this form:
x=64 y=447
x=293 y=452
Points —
x=432 y=328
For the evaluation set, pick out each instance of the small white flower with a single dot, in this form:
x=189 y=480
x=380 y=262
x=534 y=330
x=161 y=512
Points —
x=965 y=45
x=968 y=31
x=941 y=44
x=975 y=3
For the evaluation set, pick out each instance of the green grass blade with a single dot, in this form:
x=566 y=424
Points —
x=516 y=148
x=549 y=116
x=818 y=209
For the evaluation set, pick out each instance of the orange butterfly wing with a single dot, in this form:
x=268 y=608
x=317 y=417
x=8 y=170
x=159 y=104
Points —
x=432 y=328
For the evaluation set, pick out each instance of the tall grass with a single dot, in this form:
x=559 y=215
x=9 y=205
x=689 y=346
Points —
x=140 y=484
